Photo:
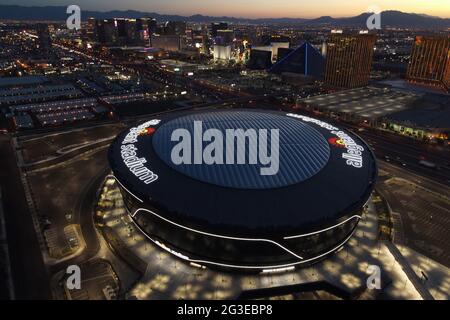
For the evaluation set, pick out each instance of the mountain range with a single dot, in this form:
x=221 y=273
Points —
x=388 y=18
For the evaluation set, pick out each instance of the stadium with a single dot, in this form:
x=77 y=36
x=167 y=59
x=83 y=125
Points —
x=289 y=193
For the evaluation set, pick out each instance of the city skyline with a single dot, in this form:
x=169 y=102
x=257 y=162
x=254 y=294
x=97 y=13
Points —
x=209 y=150
x=256 y=9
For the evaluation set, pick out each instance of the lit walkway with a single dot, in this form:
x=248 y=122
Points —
x=167 y=277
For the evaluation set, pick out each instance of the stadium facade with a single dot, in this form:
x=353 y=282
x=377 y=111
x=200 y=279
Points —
x=230 y=215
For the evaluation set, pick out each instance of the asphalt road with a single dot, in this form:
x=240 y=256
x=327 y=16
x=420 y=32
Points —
x=84 y=213
x=71 y=187
x=76 y=184
x=402 y=151
x=30 y=277
x=407 y=153
x=424 y=215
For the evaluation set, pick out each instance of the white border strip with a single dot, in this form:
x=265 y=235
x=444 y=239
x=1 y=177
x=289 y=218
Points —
x=110 y=176
x=185 y=258
x=235 y=238
x=216 y=235
x=287 y=237
x=323 y=230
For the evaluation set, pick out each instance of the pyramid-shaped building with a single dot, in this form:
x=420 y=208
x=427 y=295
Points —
x=305 y=60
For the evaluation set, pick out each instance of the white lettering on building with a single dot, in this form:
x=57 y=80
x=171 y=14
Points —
x=128 y=152
x=353 y=155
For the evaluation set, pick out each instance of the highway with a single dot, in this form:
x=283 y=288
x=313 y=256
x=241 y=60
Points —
x=400 y=151
x=406 y=153
x=158 y=75
x=30 y=276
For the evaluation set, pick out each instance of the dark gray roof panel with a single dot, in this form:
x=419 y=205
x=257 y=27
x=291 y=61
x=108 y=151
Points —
x=303 y=151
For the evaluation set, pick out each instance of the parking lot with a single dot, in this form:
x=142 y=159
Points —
x=59 y=188
x=43 y=147
x=99 y=282
x=424 y=217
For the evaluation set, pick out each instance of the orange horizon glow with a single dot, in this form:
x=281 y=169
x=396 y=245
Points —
x=289 y=8
x=256 y=8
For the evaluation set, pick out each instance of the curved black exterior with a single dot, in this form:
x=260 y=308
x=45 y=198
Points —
x=248 y=229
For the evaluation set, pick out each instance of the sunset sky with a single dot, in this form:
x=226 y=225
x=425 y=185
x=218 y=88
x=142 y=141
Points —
x=255 y=8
